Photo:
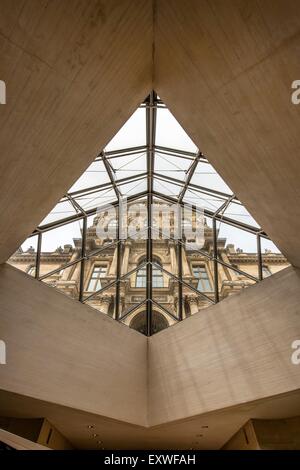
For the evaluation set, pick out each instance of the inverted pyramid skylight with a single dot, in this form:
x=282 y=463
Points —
x=125 y=238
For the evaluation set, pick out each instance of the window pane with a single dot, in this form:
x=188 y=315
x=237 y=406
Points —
x=208 y=201
x=171 y=165
x=94 y=175
x=272 y=259
x=204 y=284
x=169 y=132
x=66 y=281
x=60 y=246
x=24 y=258
x=238 y=212
x=132 y=134
x=62 y=210
x=205 y=175
x=128 y=165
x=94 y=199
x=231 y=282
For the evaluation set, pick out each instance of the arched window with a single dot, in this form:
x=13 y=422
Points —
x=139 y=323
x=157 y=276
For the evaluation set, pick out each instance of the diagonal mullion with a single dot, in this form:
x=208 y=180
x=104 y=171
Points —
x=189 y=177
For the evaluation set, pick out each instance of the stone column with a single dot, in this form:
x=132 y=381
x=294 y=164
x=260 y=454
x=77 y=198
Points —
x=126 y=254
x=113 y=266
x=67 y=271
x=173 y=257
x=185 y=265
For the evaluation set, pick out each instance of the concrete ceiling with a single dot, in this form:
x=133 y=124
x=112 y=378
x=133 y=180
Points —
x=75 y=71
x=207 y=431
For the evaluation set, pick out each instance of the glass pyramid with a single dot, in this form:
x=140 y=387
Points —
x=150 y=234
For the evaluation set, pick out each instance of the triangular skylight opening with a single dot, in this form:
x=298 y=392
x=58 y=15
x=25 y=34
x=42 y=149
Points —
x=167 y=180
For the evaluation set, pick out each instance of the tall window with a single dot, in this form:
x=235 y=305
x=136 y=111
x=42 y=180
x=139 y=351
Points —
x=95 y=280
x=201 y=273
x=141 y=277
x=157 y=277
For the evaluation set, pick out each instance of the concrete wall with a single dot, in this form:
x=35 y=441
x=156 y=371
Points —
x=231 y=353
x=244 y=439
x=278 y=434
x=61 y=351
x=267 y=434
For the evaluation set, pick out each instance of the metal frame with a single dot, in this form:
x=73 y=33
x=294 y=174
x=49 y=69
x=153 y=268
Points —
x=151 y=104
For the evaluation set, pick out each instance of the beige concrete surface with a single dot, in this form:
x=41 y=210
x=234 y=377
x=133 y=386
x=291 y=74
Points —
x=219 y=368
x=231 y=353
x=19 y=443
x=64 y=352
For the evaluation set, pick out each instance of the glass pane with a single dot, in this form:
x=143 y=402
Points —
x=165 y=221
x=129 y=165
x=133 y=187
x=100 y=270
x=193 y=303
x=238 y=248
x=134 y=255
x=273 y=260
x=169 y=133
x=132 y=134
x=171 y=166
x=66 y=280
x=164 y=290
x=100 y=273
x=238 y=212
x=62 y=210
x=60 y=246
x=231 y=282
x=101 y=230
x=24 y=258
x=165 y=254
x=207 y=177
x=94 y=175
x=104 y=303
x=94 y=199
x=203 y=275
x=165 y=187
x=160 y=319
x=137 y=221
x=202 y=200
x=130 y=297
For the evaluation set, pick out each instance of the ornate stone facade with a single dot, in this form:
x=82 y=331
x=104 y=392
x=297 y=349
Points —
x=100 y=271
